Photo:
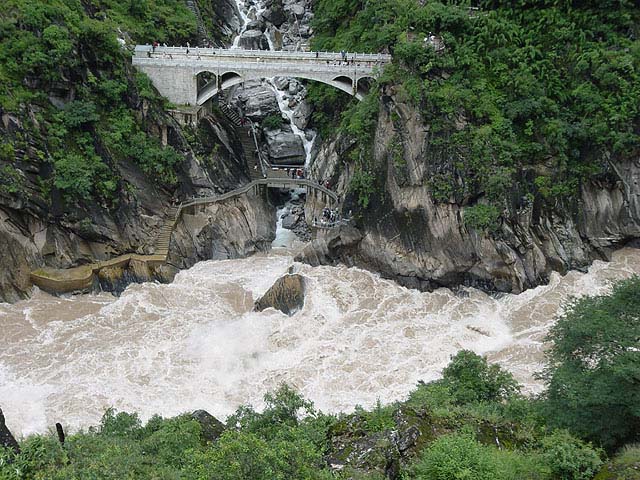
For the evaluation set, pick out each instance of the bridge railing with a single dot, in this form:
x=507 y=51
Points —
x=290 y=69
x=144 y=50
x=273 y=182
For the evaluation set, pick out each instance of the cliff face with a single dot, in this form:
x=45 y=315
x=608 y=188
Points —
x=90 y=160
x=407 y=236
x=36 y=232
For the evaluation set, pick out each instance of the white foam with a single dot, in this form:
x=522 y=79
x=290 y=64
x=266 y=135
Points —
x=197 y=343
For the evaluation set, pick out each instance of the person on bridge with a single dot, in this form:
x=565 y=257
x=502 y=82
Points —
x=154 y=45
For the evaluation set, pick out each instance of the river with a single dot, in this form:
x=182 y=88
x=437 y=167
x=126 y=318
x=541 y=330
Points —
x=196 y=343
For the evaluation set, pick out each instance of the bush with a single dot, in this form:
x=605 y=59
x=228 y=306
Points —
x=456 y=457
x=362 y=184
x=482 y=217
x=273 y=122
x=569 y=458
x=471 y=379
x=624 y=466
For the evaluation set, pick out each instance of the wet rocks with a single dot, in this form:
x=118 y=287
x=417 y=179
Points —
x=275 y=14
x=222 y=230
x=211 y=427
x=7 y=440
x=253 y=40
x=358 y=448
x=285 y=147
x=337 y=245
x=256 y=100
x=295 y=221
x=301 y=115
x=286 y=295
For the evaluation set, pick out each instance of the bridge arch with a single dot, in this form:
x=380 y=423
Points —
x=230 y=79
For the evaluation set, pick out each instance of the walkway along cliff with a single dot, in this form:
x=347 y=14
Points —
x=149 y=266
x=162 y=63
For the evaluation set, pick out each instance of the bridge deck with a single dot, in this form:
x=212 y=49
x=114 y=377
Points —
x=144 y=51
x=174 y=70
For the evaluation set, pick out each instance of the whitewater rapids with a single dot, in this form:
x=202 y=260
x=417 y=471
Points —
x=196 y=343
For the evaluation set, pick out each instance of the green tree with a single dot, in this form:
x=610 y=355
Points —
x=569 y=458
x=471 y=379
x=593 y=367
x=456 y=457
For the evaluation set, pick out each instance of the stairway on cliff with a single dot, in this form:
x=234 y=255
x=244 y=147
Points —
x=204 y=38
x=164 y=234
x=245 y=135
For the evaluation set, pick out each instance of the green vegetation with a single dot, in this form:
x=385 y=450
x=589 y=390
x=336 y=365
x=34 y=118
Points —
x=594 y=367
x=67 y=79
x=472 y=424
x=529 y=97
x=272 y=122
x=482 y=216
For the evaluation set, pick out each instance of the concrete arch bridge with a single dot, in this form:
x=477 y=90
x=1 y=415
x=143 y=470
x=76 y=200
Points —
x=191 y=76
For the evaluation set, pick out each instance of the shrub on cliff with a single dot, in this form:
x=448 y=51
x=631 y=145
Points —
x=67 y=80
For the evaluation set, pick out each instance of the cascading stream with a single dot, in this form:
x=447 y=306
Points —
x=257 y=9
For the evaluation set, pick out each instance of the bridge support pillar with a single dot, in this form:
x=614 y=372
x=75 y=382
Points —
x=164 y=135
x=177 y=83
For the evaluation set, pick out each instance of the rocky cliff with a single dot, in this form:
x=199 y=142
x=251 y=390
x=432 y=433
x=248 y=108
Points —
x=91 y=160
x=34 y=233
x=406 y=235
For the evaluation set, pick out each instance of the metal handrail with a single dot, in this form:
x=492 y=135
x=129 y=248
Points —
x=264 y=164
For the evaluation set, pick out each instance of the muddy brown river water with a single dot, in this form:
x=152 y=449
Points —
x=196 y=343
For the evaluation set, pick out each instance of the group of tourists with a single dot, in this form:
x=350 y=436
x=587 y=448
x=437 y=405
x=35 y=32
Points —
x=330 y=217
x=295 y=173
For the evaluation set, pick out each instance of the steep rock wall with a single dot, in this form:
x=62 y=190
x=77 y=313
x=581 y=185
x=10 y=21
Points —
x=424 y=244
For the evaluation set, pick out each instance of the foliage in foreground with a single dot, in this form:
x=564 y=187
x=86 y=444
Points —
x=474 y=424
x=593 y=372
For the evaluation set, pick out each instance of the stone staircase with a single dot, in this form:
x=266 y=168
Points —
x=231 y=114
x=164 y=235
x=203 y=34
x=245 y=135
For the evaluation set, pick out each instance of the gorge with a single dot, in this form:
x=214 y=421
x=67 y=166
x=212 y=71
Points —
x=483 y=187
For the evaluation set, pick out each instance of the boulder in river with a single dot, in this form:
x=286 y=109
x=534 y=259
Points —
x=286 y=295
x=254 y=40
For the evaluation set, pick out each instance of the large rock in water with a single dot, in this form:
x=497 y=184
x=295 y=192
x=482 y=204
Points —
x=6 y=438
x=254 y=40
x=286 y=295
